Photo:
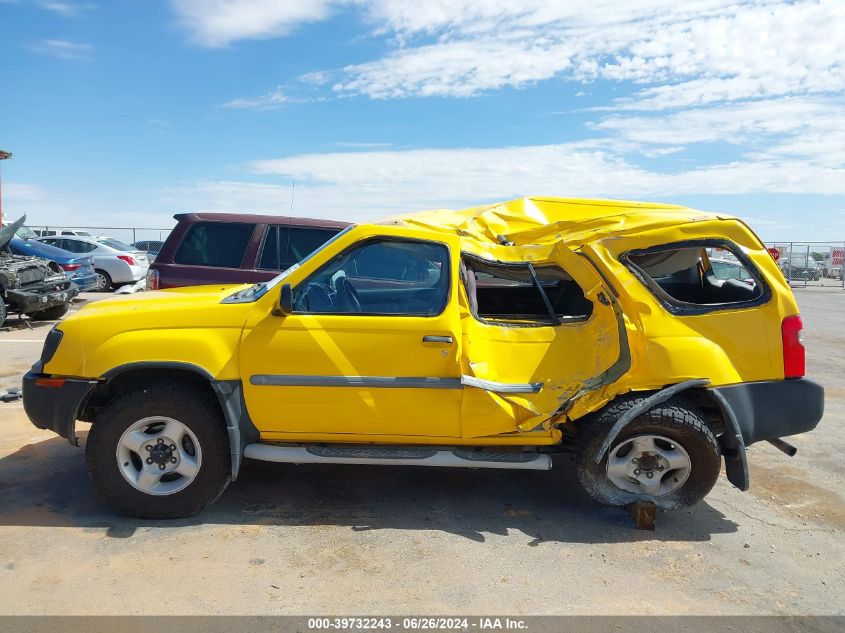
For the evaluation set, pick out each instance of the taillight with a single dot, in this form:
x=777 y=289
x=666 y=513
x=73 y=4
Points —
x=792 y=331
x=70 y=267
x=127 y=259
x=152 y=279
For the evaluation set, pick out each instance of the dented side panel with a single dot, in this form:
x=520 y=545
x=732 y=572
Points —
x=569 y=360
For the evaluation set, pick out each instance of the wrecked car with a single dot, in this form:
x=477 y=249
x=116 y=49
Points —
x=492 y=337
x=32 y=286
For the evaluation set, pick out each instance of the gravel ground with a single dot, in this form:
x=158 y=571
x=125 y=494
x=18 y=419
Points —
x=372 y=540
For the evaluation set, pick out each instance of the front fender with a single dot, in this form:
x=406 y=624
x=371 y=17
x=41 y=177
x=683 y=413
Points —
x=210 y=351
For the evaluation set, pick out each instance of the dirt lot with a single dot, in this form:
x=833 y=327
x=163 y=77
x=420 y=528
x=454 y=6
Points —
x=345 y=539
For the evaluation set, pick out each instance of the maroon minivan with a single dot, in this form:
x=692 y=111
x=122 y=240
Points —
x=233 y=248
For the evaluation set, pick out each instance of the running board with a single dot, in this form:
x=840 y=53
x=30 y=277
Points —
x=398 y=456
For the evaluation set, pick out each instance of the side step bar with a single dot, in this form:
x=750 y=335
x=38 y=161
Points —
x=398 y=456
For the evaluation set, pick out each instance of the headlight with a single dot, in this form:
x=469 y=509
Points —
x=51 y=344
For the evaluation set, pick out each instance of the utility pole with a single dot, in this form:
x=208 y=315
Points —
x=3 y=156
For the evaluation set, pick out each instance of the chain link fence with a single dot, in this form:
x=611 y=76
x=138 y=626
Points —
x=127 y=235
x=810 y=263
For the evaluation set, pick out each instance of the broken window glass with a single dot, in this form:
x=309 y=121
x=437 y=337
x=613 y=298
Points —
x=509 y=294
x=700 y=274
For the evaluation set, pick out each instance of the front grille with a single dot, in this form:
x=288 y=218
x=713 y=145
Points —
x=31 y=275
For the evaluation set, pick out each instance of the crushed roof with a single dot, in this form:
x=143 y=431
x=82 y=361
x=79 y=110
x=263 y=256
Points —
x=541 y=220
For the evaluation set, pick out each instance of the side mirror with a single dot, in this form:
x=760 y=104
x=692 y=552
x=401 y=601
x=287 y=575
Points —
x=285 y=305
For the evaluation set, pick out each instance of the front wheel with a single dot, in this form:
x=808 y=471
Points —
x=160 y=452
x=668 y=455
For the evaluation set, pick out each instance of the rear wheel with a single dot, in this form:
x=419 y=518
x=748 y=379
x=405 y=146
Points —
x=104 y=282
x=160 y=452
x=668 y=455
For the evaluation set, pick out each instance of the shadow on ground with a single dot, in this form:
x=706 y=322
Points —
x=45 y=484
x=15 y=323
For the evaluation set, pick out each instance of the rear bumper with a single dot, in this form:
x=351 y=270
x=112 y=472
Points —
x=773 y=409
x=55 y=408
x=85 y=282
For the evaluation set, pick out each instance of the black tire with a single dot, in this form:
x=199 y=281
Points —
x=105 y=283
x=51 y=314
x=3 y=313
x=188 y=404
x=675 y=419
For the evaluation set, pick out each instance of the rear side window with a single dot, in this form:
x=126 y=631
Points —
x=217 y=244
x=75 y=246
x=508 y=294
x=699 y=276
x=284 y=246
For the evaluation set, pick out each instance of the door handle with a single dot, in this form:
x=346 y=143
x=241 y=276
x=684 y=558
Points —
x=430 y=338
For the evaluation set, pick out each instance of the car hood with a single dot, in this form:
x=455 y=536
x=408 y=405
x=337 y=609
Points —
x=8 y=232
x=193 y=306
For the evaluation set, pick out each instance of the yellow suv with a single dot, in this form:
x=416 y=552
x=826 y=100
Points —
x=492 y=337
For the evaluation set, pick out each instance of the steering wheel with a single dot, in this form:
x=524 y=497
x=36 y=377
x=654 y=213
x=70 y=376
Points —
x=346 y=291
x=316 y=298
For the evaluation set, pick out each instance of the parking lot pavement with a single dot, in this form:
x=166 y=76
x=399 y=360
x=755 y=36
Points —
x=375 y=540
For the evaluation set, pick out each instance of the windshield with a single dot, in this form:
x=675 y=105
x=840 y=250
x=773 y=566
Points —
x=255 y=292
x=26 y=233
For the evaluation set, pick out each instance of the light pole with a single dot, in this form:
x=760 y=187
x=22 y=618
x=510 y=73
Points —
x=3 y=156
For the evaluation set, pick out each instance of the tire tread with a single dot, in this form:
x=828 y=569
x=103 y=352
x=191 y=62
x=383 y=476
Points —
x=677 y=416
x=202 y=492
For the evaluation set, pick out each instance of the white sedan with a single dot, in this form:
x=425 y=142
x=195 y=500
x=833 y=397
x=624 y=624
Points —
x=115 y=263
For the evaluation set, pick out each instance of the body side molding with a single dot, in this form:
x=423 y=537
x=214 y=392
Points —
x=392 y=382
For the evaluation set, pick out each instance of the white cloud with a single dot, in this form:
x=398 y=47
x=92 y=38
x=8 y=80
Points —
x=217 y=23
x=366 y=185
x=431 y=177
x=62 y=49
x=269 y=101
x=66 y=9
x=763 y=76
x=228 y=196
x=23 y=192
x=698 y=52
x=683 y=53
x=810 y=128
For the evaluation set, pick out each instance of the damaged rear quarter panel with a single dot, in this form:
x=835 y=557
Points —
x=725 y=346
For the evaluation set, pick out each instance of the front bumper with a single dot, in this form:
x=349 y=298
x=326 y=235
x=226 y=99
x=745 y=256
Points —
x=56 y=407
x=30 y=301
x=773 y=409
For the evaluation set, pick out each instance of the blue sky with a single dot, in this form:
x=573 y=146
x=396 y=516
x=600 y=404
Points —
x=126 y=112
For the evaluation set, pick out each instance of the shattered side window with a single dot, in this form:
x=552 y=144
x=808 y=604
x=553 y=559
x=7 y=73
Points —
x=508 y=294
x=707 y=274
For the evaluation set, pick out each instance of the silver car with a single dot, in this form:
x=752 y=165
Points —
x=115 y=263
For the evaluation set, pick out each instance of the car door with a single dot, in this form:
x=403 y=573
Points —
x=372 y=346
x=527 y=357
